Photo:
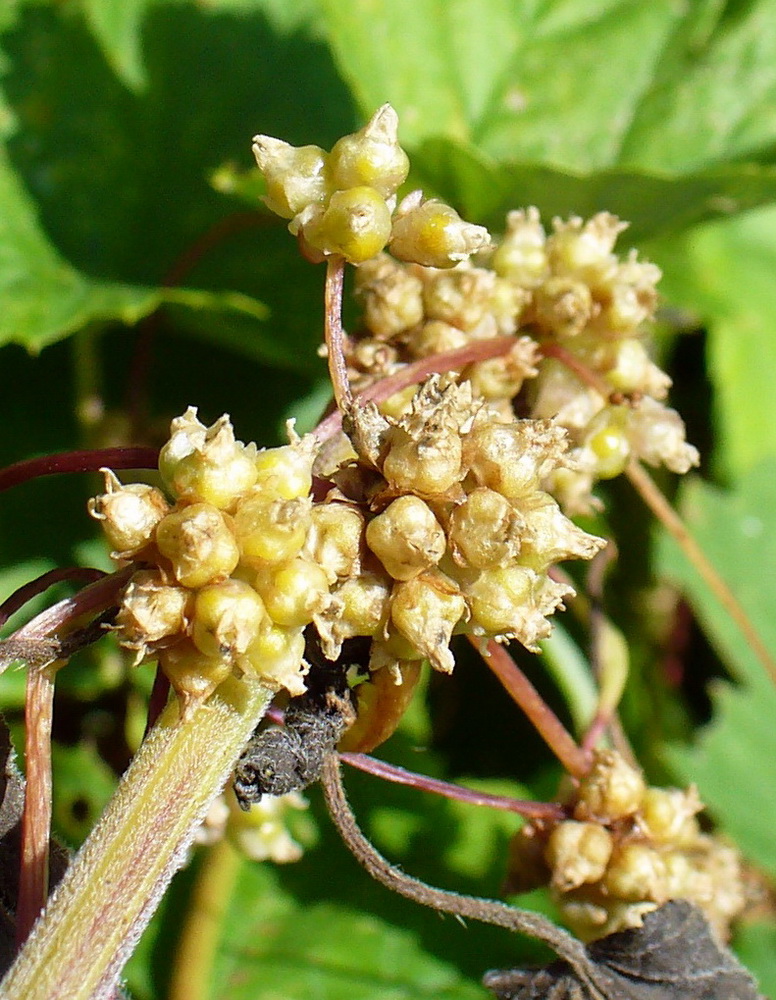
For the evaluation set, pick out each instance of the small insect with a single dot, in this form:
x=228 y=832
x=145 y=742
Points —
x=288 y=758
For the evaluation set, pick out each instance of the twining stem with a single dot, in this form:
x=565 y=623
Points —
x=198 y=944
x=88 y=460
x=37 y=642
x=585 y=374
x=542 y=717
x=29 y=590
x=418 y=371
x=36 y=818
x=400 y=776
x=98 y=911
x=487 y=911
x=665 y=513
x=335 y=335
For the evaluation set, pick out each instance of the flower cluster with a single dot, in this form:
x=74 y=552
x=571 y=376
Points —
x=572 y=306
x=458 y=534
x=435 y=524
x=344 y=202
x=625 y=849
x=221 y=583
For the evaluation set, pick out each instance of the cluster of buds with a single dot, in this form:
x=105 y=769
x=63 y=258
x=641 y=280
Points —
x=262 y=833
x=626 y=849
x=567 y=292
x=458 y=536
x=221 y=583
x=344 y=202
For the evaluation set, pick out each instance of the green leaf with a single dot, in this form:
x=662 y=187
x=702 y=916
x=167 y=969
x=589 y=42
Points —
x=654 y=203
x=276 y=945
x=579 y=85
x=119 y=179
x=755 y=945
x=723 y=273
x=117 y=27
x=731 y=761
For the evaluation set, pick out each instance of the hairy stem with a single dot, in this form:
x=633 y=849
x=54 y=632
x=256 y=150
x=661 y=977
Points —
x=665 y=513
x=400 y=776
x=36 y=818
x=544 y=720
x=193 y=966
x=335 y=335
x=488 y=911
x=97 y=913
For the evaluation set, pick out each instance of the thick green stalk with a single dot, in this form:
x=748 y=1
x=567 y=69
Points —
x=94 y=919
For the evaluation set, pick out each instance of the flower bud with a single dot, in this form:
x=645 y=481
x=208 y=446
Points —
x=372 y=156
x=295 y=176
x=425 y=610
x=433 y=234
x=270 y=531
x=436 y=336
x=667 y=815
x=199 y=543
x=227 y=617
x=500 y=598
x=406 y=538
x=293 y=592
x=356 y=224
x=564 y=306
x=611 y=789
x=359 y=606
x=485 y=530
x=129 y=514
x=193 y=676
x=577 y=853
x=460 y=297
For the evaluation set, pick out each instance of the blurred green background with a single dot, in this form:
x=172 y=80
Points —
x=139 y=273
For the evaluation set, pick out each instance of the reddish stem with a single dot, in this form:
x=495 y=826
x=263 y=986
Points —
x=159 y=695
x=418 y=371
x=334 y=334
x=400 y=776
x=29 y=590
x=89 y=460
x=585 y=374
x=544 y=720
x=36 y=818
x=647 y=489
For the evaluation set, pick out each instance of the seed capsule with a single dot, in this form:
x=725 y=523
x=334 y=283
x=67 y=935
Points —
x=485 y=530
x=227 y=617
x=406 y=538
x=425 y=611
x=128 y=514
x=356 y=224
x=577 y=853
x=295 y=176
x=293 y=592
x=270 y=531
x=276 y=656
x=433 y=234
x=199 y=543
x=194 y=676
x=372 y=156
x=611 y=789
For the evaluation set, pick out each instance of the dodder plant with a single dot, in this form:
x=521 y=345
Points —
x=421 y=508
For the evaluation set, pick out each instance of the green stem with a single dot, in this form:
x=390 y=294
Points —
x=192 y=972
x=99 y=910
